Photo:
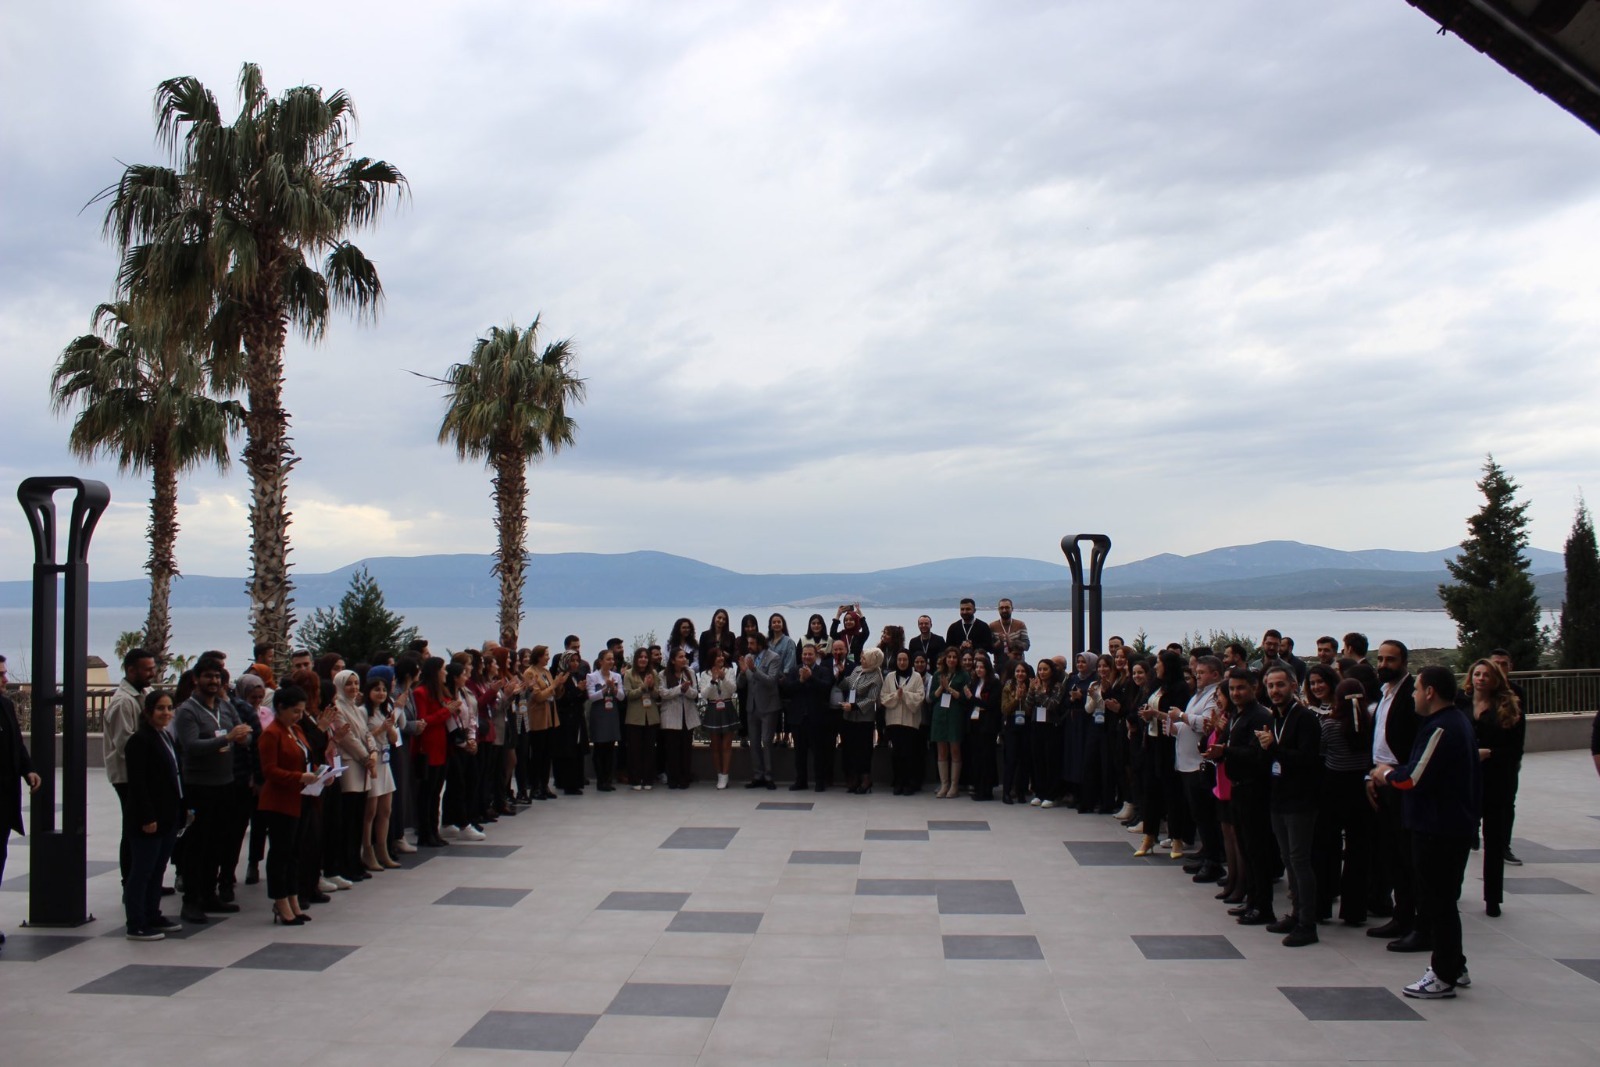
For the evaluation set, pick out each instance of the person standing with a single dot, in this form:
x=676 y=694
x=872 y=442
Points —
x=124 y=711
x=1394 y=729
x=1008 y=633
x=858 y=695
x=1250 y=783
x=1439 y=787
x=288 y=764
x=604 y=688
x=982 y=730
x=808 y=690
x=950 y=694
x=969 y=632
x=15 y=769
x=1293 y=742
x=1189 y=729
x=719 y=689
x=249 y=694
x=153 y=813
x=761 y=670
x=571 y=733
x=679 y=700
x=207 y=729
x=903 y=694
x=926 y=643
x=1501 y=729
x=1344 y=825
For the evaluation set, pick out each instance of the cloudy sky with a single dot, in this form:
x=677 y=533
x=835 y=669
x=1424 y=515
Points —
x=857 y=285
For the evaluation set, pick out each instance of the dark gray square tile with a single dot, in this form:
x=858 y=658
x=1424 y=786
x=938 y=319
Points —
x=1549 y=887
x=189 y=929
x=715 y=922
x=992 y=947
x=708 y=837
x=1108 y=854
x=529 y=1031
x=623 y=900
x=1590 y=969
x=1186 y=947
x=957 y=824
x=1349 y=1003
x=896 y=887
x=476 y=852
x=656 y=998
x=897 y=835
x=823 y=857
x=1533 y=852
x=785 y=805
x=30 y=948
x=408 y=860
x=978 y=897
x=291 y=956
x=483 y=898
x=147 y=980
x=92 y=869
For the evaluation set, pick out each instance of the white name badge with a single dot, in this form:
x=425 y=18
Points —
x=1019 y=719
x=851 y=699
x=944 y=701
x=1038 y=715
x=647 y=702
x=722 y=705
x=974 y=714
x=385 y=756
x=1277 y=769
x=611 y=705
x=1099 y=718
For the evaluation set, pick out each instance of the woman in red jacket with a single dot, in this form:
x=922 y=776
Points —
x=434 y=711
x=285 y=770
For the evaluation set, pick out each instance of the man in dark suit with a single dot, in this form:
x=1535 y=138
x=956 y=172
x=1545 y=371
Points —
x=1394 y=729
x=969 y=631
x=15 y=768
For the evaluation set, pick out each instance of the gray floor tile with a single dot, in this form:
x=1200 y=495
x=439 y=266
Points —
x=119 y=927
x=785 y=805
x=289 y=956
x=625 y=900
x=697 y=837
x=529 y=1031
x=30 y=948
x=1186 y=947
x=897 y=835
x=896 y=887
x=1588 y=968
x=468 y=896
x=1110 y=854
x=1349 y=1003
x=92 y=869
x=715 y=922
x=1533 y=852
x=476 y=852
x=978 y=897
x=147 y=980
x=409 y=860
x=992 y=947
x=957 y=824
x=827 y=858
x=1544 y=887
x=654 y=998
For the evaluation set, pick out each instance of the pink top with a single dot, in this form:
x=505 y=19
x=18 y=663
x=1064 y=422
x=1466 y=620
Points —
x=1223 y=790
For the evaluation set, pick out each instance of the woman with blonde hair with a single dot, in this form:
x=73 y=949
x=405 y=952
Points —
x=1502 y=731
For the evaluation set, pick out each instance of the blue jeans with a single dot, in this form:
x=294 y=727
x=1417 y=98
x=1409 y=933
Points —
x=147 y=863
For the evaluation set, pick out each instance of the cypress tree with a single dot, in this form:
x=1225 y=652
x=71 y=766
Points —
x=360 y=627
x=1492 y=599
x=1580 y=616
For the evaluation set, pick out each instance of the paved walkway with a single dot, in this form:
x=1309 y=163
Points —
x=727 y=928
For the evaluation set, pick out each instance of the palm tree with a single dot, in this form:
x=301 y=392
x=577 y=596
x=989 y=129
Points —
x=507 y=405
x=233 y=227
x=144 y=399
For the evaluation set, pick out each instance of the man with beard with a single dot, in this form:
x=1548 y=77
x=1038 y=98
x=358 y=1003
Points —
x=1007 y=632
x=969 y=631
x=1327 y=651
x=1250 y=770
x=207 y=727
x=121 y=723
x=1189 y=728
x=926 y=643
x=1394 y=730
x=1294 y=744
x=807 y=689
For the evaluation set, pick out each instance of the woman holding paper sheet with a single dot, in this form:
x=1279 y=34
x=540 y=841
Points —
x=286 y=761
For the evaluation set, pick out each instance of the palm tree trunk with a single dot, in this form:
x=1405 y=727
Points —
x=511 y=522
x=268 y=457
x=163 y=565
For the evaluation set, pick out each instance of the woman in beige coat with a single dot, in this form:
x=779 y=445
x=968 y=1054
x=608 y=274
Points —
x=679 y=698
x=903 y=694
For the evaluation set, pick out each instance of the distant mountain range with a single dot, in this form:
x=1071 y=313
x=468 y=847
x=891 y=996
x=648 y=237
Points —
x=1272 y=574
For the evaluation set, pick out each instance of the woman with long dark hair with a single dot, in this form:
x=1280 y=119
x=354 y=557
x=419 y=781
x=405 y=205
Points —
x=903 y=694
x=383 y=734
x=718 y=635
x=679 y=698
x=1014 y=712
x=816 y=636
x=606 y=700
x=1343 y=837
x=1216 y=745
x=950 y=695
x=719 y=697
x=641 y=720
x=461 y=759
x=287 y=766
x=1502 y=731
x=152 y=815
x=983 y=730
x=683 y=636
x=403 y=764
x=1044 y=734
x=1164 y=789
x=542 y=688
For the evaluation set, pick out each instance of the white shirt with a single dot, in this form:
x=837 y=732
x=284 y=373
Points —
x=1380 y=742
x=1187 y=732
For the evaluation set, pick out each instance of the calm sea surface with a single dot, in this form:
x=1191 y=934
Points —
x=197 y=629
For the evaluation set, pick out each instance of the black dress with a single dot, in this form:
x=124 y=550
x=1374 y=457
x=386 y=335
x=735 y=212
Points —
x=1505 y=745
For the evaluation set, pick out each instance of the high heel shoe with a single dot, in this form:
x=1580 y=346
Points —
x=279 y=920
x=1147 y=846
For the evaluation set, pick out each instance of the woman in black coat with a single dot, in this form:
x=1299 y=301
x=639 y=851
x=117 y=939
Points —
x=15 y=768
x=1502 y=731
x=154 y=814
x=983 y=730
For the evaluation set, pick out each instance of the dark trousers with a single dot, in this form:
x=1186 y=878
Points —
x=1294 y=831
x=1044 y=752
x=1153 y=797
x=857 y=751
x=1392 y=862
x=1117 y=759
x=332 y=831
x=141 y=893
x=1095 y=791
x=1438 y=866
x=1253 y=823
x=979 y=760
x=641 y=748
x=241 y=806
x=403 y=808
x=905 y=757
x=431 y=789
x=461 y=780
x=537 y=760
x=308 y=857
x=605 y=763
x=491 y=772
x=352 y=816
x=804 y=734
x=283 y=837
x=677 y=746
x=124 y=852
x=258 y=836
x=207 y=836
x=1342 y=850
x=1203 y=810
x=567 y=742
x=1499 y=807
x=825 y=728
x=1014 y=742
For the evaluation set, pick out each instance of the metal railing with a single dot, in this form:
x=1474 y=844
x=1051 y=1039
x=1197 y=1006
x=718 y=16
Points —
x=1559 y=692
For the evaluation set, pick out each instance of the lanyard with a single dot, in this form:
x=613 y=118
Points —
x=305 y=753
x=1277 y=726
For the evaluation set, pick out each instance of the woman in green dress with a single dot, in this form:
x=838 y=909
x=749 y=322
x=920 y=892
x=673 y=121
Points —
x=949 y=695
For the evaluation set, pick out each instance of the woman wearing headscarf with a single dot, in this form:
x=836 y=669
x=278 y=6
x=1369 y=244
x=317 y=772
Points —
x=983 y=729
x=859 y=694
x=361 y=763
x=903 y=694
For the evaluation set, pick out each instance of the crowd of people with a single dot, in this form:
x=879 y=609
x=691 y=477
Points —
x=1363 y=783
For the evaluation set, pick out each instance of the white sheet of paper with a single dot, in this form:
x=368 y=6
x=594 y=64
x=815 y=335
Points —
x=315 y=788
x=974 y=714
x=1039 y=715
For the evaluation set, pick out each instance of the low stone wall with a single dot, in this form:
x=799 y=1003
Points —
x=1560 y=732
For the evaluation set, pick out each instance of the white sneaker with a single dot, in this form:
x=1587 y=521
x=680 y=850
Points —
x=649 y=786
x=1047 y=804
x=405 y=846
x=472 y=833
x=638 y=789
x=449 y=831
x=1465 y=981
x=332 y=882
x=722 y=781
x=1429 y=987
x=1125 y=813
x=1037 y=802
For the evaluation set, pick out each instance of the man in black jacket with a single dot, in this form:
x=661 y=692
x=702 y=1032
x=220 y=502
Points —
x=1394 y=729
x=1293 y=742
x=15 y=768
x=969 y=631
x=925 y=643
x=807 y=690
x=1250 y=770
